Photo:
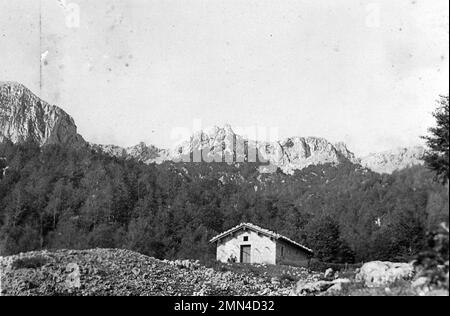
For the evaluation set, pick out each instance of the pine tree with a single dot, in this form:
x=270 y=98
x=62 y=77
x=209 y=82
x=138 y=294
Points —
x=437 y=158
x=3 y=166
x=325 y=238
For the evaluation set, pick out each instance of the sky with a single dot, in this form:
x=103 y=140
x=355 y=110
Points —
x=364 y=72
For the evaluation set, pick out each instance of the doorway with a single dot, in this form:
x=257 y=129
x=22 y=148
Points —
x=245 y=254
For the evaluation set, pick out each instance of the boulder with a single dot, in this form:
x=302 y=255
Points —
x=275 y=281
x=341 y=281
x=329 y=273
x=304 y=288
x=379 y=273
x=338 y=285
x=335 y=288
x=420 y=282
x=135 y=271
x=440 y=292
x=186 y=264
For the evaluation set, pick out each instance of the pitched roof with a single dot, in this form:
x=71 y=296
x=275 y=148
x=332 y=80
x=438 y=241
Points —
x=262 y=231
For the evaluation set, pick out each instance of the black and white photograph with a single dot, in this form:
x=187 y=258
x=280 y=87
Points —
x=224 y=154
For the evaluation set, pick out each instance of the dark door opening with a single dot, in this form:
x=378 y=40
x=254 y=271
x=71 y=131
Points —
x=245 y=254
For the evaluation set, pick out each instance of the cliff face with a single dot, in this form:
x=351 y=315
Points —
x=397 y=159
x=299 y=152
x=24 y=116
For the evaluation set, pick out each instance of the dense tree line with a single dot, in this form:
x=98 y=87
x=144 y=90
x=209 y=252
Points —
x=58 y=197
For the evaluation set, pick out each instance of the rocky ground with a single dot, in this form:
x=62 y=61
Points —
x=122 y=272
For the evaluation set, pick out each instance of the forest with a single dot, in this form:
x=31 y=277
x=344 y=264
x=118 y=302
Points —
x=57 y=197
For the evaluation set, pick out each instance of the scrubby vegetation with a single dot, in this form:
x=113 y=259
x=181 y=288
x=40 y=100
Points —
x=55 y=197
x=29 y=263
x=432 y=263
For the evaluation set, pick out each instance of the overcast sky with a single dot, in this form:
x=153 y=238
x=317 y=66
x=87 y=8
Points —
x=363 y=72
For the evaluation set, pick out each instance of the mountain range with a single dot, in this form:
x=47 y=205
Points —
x=24 y=116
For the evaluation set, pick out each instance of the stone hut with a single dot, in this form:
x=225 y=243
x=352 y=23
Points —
x=248 y=243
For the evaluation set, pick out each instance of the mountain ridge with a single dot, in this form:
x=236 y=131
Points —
x=24 y=116
x=393 y=160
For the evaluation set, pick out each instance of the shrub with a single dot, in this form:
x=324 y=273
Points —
x=433 y=263
x=294 y=263
x=319 y=266
x=224 y=268
x=287 y=277
x=29 y=263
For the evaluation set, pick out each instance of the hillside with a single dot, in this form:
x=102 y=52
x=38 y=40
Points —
x=115 y=272
x=109 y=272
x=60 y=197
x=57 y=191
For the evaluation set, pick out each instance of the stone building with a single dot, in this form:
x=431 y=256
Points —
x=248 y=243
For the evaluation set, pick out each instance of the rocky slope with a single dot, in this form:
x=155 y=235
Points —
x=115 y=272
x=390 y=161
x=298 y=152
x=122 y=272
x=23 y=116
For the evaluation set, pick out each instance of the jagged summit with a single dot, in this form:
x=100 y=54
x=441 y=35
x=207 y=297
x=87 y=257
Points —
x=296 y=153
x=293 y=153
x=393 y=160
x=24 y=116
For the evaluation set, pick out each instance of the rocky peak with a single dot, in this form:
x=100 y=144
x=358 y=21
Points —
x=294 y=153
x=210 y=144
x=141 y=152
x=111 y=150
x=24 y=116
x=297 y=153
x=221 y=143
x=392 y=160
x=341 y=147
x=147 y=153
